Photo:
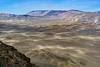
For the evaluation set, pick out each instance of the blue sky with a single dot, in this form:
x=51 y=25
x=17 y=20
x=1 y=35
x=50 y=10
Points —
x=24 y=6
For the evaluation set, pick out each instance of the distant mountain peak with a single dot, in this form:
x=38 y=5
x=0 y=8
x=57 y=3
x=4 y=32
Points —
x=45 y=12
x=74 y=10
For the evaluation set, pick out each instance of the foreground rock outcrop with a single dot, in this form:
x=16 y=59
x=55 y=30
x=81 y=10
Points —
x=10 y=57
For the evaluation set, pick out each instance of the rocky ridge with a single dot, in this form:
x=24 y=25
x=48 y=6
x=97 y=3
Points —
x=10 y=57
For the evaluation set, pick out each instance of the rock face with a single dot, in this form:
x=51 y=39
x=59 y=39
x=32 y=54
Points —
x=10 y=57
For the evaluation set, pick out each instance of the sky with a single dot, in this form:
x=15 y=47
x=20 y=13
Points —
x=25 y=6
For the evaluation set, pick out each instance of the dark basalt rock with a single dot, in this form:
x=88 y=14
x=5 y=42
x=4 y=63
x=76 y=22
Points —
x=10 y=57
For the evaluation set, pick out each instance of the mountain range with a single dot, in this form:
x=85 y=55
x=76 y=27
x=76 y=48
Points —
x=63 y=15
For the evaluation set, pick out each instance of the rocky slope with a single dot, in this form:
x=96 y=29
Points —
x=10 y=57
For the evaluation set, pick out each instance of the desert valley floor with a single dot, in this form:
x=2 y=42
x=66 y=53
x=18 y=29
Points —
x=73 y=45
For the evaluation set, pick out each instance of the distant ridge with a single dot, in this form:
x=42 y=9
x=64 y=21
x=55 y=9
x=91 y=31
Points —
x=64 y=15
